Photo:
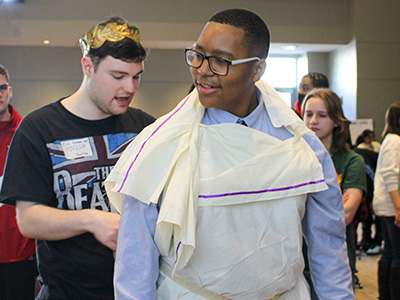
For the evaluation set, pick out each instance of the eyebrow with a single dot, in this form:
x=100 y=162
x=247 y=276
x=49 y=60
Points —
x=318 y=111
x=215 y=52
x=126 y=73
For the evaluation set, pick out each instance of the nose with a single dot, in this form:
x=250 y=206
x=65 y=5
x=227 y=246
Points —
x=313 y=119
x=205 y=69
x=131 y=86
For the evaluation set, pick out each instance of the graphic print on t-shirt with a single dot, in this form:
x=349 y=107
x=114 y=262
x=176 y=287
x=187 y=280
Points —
x=79 y=181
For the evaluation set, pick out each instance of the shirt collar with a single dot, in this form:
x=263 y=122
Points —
x=218 y=116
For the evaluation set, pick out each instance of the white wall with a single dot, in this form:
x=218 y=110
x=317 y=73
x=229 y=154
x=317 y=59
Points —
x=343 y=77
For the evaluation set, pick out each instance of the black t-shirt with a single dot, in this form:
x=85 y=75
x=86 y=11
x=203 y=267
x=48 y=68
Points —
x=61 y=160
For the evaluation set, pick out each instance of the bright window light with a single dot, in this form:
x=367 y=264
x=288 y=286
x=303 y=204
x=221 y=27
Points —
x=302 y=67
x=281 y=72
x=286 y=97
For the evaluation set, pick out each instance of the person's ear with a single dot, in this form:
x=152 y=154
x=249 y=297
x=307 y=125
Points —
x=9 y=91
x=259 y=69
x=87 y=66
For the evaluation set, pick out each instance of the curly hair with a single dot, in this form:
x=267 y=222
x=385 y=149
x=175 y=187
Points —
x=318 y=80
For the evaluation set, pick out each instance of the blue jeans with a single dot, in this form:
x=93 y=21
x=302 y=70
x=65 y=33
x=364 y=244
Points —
x=391 y=236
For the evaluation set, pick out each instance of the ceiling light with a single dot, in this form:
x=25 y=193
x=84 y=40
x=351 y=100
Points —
x=289 y=47
x=46 y=42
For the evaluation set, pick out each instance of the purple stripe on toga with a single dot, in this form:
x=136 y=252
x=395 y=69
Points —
x=153 y=133
x=261 y=191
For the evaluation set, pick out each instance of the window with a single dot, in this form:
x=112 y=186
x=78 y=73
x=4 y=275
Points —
x=284 y=74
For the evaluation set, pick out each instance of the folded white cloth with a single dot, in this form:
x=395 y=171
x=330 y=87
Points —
x=191 y=164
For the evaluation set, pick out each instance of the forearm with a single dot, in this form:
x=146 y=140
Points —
x=394 y=195
x=352 y=199
x=47 y=223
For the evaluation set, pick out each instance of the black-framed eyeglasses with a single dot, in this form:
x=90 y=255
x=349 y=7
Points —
x=218 y=65
x=3 y=87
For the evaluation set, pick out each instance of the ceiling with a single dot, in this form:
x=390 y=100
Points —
x=276 y=48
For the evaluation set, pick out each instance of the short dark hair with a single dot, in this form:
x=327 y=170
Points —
x=340 y=134
x=256 y=32
x=4 y=72
x=392 y=120
x=361 y=138
x=126 y=49
x=318 y=80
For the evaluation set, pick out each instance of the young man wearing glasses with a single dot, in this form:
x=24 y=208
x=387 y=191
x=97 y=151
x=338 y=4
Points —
x=60 y=157
x=17 y=264
x=224 y=206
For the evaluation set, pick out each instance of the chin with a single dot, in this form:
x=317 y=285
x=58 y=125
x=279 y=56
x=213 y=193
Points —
x=206 y=104
x=119 y=111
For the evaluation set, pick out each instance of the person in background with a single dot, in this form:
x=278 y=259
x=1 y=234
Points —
x=366 y=141
x=225 y=185
x=17 y=263
x=60 y=157
x=323 y=114
x=371 y=241
x=386 y=204
x=309 y=82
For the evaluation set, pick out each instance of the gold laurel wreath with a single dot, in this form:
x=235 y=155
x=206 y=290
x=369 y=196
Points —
x=112 y=32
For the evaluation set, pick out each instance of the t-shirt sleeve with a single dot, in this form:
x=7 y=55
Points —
x=28 y=171
x=354 y=173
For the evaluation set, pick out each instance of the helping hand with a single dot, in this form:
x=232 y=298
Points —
x=104 y=226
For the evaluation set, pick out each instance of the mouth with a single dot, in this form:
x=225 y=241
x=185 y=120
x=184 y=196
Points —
x=314 y=129
x=206 y=88
x=123 y=100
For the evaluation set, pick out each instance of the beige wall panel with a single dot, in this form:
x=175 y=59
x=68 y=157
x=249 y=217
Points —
x=377 y=20
x=41 y=63
x=42 y=75
x=177 y=20
x=374 y=97
x=29 y=95
x=166 y=66
x=159 y=98
x=378 y=60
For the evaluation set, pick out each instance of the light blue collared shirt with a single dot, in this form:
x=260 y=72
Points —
x=136 y=267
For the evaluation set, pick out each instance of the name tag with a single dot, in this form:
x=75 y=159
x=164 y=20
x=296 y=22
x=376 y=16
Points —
x=77 y=148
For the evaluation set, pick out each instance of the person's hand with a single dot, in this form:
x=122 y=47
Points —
x=104 y=226
x=397 y=218
x=345 y=197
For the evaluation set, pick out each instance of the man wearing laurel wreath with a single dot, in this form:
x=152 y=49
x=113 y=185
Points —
x=58 y=161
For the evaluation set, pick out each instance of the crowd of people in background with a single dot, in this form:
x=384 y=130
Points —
x=375 y=176
x=74 y=164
